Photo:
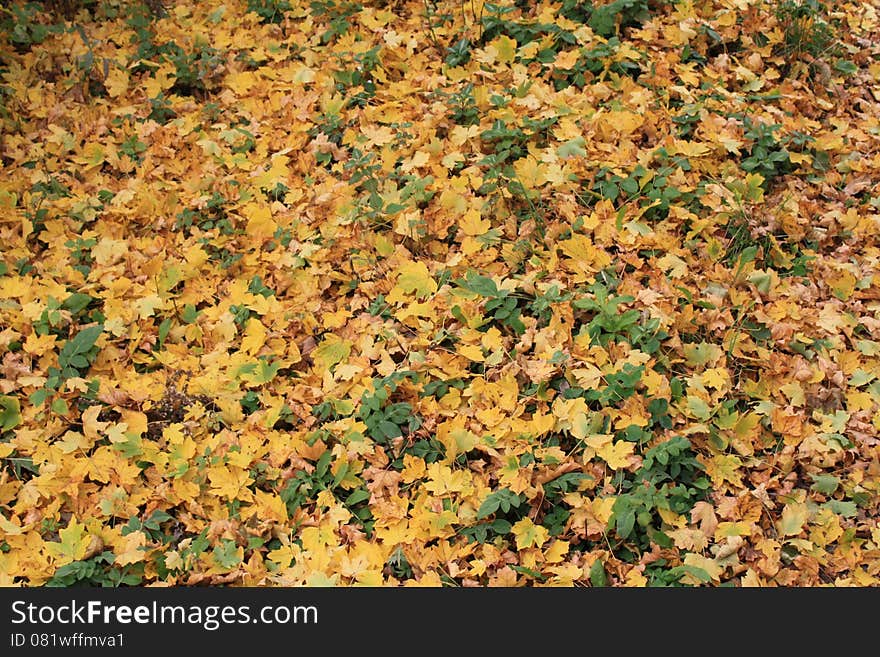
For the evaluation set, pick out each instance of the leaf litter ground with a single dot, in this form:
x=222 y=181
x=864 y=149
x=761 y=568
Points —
x=441 y=293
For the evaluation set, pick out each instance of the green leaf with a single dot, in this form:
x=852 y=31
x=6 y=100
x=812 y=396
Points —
x=630 y=186
x=502 y=499
x=597 y=574
x=501 y=526
x=394 y=208
x=389 y=429
x=860 y=377
x=76 y=302
x=748 y=255
x=84 y=340
x=704 y=353
x=340 y=474
x=825 y=483
x=479 y=284
x=488 y=507
x=359 y=495
x=609 y=190
x=323 y=464
x=531 y=572
x=694 y=571
x=265 y=371
x=572 y=148
x=845 y=67
x=189 y=314
x=10 y=413
x=75 y=353
x=156 y=518
x=760 y=280
x=698 y=408
x=625 y=520
x=842 y=508
x=602 y=21
x=226 y=554
x=217 y=15
x=164 y=328
x=59 y=405
x=132 y=447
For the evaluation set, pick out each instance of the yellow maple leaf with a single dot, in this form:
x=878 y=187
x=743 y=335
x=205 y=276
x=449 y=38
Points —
x=413 y=468
x=116 y=82
x=530 y=172
x=260 y=223
x=452 y=200
x=254 y=336
x=717 y=378
x=443 y=480
x=580 y=425
x=842 y=284
x=73 y=544
x=635 y=579
x=270 y=506
x=506 y=49
x=413 y=279
x=566 y=60
x=331 y=351
x=73 y=441
x=283 y=555
x=724 y=467
x=146 y=306
x=582 y=251
x=163 y=78
x=793 y=518
x=108 y=251
x=131 y=549
x=9 y=528
x=690 y=148
x=528 y=534
x=471 y=352
x=472 y=224
x=92 y=427
x=704 y=565
x=240 y=82
x=616 y=455
x=185 y=490
x=419 y=159
x=623 y=122
x=557 y=551
x=673 y=265
x=15 y=287
x=230 y=482
x=456 y=438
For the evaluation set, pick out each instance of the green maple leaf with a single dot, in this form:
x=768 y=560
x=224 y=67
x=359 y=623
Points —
x=226 y=555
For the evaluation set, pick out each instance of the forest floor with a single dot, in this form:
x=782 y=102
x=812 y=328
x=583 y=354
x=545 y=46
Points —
x=440 y=293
